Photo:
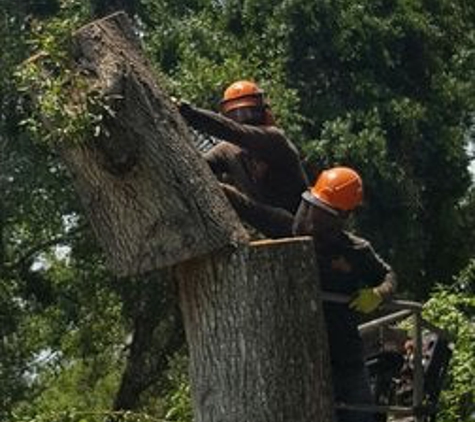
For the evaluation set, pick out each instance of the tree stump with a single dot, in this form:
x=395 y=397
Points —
x=254 y=325
x=152 y=200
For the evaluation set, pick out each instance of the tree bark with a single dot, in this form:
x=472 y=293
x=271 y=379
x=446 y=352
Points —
x=151 y=199
x=254 y=324
x=252 y=314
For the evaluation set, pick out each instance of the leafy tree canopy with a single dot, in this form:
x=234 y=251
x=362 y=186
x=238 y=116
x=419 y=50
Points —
x=386 y=86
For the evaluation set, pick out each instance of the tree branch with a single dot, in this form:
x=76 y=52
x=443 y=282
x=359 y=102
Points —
x=35 y=250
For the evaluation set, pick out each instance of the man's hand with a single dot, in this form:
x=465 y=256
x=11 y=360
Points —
x=366 y=301
x=180 y=104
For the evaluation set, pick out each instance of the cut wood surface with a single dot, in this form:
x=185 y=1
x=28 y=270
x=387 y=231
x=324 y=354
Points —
x=149 y=195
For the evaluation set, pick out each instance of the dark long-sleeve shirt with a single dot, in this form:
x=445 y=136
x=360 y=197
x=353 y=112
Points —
x=270 y=221
x=283 y=182
x=346 y=264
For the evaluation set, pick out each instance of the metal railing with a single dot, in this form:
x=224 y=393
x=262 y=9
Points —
x=399 y=309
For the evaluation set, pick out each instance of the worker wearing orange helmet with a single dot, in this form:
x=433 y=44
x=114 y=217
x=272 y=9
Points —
x=349 y=266
x=256 y=159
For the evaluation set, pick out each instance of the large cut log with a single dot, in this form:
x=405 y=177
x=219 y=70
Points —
x=252 y=314
x=255 y=331
x=151 y=198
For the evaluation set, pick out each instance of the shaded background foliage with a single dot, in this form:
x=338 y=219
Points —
x=386 y=86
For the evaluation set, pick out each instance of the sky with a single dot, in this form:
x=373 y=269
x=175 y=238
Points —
x=471 y=151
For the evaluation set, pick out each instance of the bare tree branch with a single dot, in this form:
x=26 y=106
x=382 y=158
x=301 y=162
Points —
x=41 y=247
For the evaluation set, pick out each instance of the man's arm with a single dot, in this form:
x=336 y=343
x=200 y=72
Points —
x=388 y=286
x=217 y=158
x=270 y=221
x=379 y=280
x=226 y=163
x=260 y=139
x=380 y=275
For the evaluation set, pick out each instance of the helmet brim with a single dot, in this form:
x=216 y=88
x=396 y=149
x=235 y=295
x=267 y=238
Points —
x=313 y=200
x=247 y=101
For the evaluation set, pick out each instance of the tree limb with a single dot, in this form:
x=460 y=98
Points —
x=35 y=250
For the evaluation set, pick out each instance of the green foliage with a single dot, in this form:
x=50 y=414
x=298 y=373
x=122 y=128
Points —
x=30 y=215
x=98 y=416
x=82 y=385
x=202 y=52
x=453 y=309
x=75 y=338
x=64 y=107
x=385 y=86
x=59 y=403
x=178 y=399
x=13 y=353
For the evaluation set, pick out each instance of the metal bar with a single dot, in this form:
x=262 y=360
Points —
x=418 y=387
x=406 y=308
x=372 y=408
x=403 y=304
x=390 y=305
x=387 y=319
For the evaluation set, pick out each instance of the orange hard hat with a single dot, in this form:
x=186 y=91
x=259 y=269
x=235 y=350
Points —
x=337 y=189
x=242 y=94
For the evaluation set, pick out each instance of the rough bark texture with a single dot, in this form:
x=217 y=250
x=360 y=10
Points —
x=254 y=325
x=150 y=197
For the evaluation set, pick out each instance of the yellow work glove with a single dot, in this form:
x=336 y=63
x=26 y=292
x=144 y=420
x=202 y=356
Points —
x=366 y=301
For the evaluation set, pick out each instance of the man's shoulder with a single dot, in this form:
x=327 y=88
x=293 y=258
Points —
x=276 y=132
x=363 y=252
x=280 y=138
x=273 y=129
x=355 y=242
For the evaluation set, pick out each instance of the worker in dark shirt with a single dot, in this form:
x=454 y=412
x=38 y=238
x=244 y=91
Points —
x=349 y=266
x=255 y=157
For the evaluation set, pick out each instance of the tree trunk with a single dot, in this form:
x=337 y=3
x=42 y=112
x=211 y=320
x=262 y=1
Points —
x=151 y=198
x=254 y=324
x=252 y=314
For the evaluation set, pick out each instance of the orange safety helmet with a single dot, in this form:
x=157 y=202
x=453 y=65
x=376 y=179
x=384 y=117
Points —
x=339 y=189
x=242 y=94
